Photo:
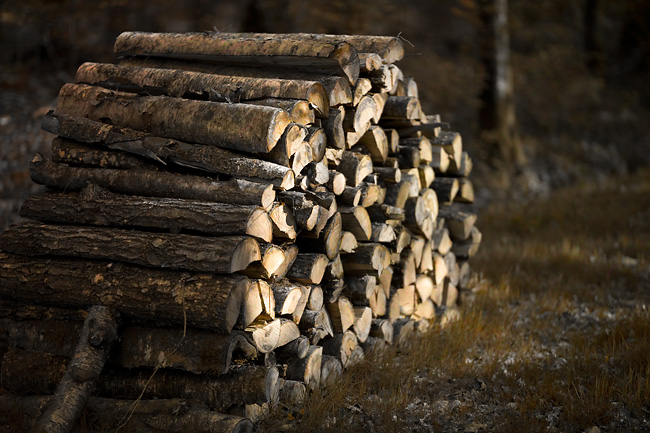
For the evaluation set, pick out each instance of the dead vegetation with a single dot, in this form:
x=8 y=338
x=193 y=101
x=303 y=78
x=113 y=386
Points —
x=555 y=336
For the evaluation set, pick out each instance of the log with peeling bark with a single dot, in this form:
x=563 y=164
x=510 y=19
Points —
x=97 y=335
x=307 y=369
x=175 y=251
x=310 y=52
x=202 y=300
x=198 y=85
x=368 y=258
x=151 y=183
x=209 y=159
x=80 y=154
x=175 y=117
x=145 y=416
x=308 y=268
x=341 y=346
x=97 y=206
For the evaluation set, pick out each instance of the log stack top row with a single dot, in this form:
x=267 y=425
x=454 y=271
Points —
x=252 y=213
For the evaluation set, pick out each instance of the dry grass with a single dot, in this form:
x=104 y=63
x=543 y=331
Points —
x=557 y=337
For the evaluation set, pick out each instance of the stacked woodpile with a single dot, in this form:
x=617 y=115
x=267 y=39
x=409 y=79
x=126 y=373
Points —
x=231 y=220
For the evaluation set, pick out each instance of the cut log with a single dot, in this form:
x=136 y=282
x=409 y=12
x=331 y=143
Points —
x=424 y=285
x=469 y=247
x=293 y=50
x=371 y=194
x=198 y=85
x=333 y=127
x=271 y=261
x=380 y=103
x=385 y=280
x=193 y=350
x=401 y=107
x=288 y=144
x=368 y=258
x=302 y=303
x=450 y=295
x=348 y=242
x=316 y=319
x=382 y=233
x=405 y=271
x=290 y=254
x=425 y=310
x=151 y=183
x=409 y=156
x=442 y=241
x=465 y=275
x=299 y=110
x=97 y=206
x=293 y=392
x=341 y=346
x=439 y=269
x=351 y=196
x=307 y=369
x=451 y=142
x=397 y=194
x=145 y=416
x=385 y=213
x=360 y=289
x=359 y=119
x=336 y=182
x=369 y=62
x=97 y=336
x=355 y=167
x=362 y=87
x=412 y=175
x=388 y=174
x=195 y=253
x=462 y=168
x=427 y=175
x=308 y=268
x=297 y=348
x=440 y=161
x=430 y=201
x=341 y=313
x=362 y=322
x=465 y=191
x=286 y=297
x=459 y=221
x=382 y=328
x=376 y=142
x=316 y=297
x=446 y=188
x=330 y=372
x=80 y=154
x=427 y=263
x=175 y=117
x=254 y=306
x=283 y=223
x=357 y=221
x=202 y=300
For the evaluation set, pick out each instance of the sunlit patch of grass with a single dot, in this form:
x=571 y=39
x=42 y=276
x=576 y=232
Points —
x=558 y=334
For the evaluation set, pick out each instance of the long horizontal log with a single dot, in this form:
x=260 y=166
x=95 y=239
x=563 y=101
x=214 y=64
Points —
x=81 y=154
x=143 y=416
x=202 y=300
x=97 y=206
x=205 y=122
x=338 y=88
x=151 y=183
x=175 y=251
x=199 y=85
x=293 y=50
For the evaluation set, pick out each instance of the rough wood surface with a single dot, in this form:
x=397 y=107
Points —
x=368 y=258
x=307 y=369
x=98 y=333
x=97 y=206
x=80 y=154
x=308 y=268
x=198 y=85
x=331 y=371
x=198 y=299
x=176 y=118
x=175 y=251
x=151 y=183
x=357 y=221
x=401 y=107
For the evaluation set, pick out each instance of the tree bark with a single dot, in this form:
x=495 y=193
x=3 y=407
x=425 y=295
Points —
x=198 y=85
x=151 y=183
x=203 y=300
x=308 y=268
x=96 y=206
x=307 y=369
x=98 y=333
x=290 y=50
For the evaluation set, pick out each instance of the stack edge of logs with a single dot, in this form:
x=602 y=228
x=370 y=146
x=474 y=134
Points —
x=230 y=221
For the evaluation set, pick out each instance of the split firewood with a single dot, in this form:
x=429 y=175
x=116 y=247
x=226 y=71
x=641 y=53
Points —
x=431 y=203
x=98 y=333
x=359 y=288
x=376 y=143
x=412 y=176
x=336 y=182
x=151 y=183
x=268 y=337
x=446 y=188
x=198 y=85
x=308 y=268
x=293 y=392
x=437 y=294
x=469 y=247
x=290 y=254
x=297 y=348
x=451 y=142
x=195 y=253
x=147 y=416
x=341 y=314
x=369 y=62
x=134 y=291
x=265 y=124
x=362 y=87
x=362 y=322
x=355 y=167
x=272 y=259
x=286 y=297
x=417 y=248
x=302 y=304
x=406 y=87
x=441 y=160
x=301 y=158
x=409 y=156
x=318 y=141
x=465 y=274
x=316 y=319
x=307 y=369
x=290 y=141
x=385 y=280
x=454 y=275
x=385 y=213
x=465 y=191
x=459 y=221
x=383 y=329
x=283 y=223
x=402 y=239
x=368 y=258
x=328 y=241
x=334 y=270
x=331 y=371
x=427 y=263
x=382 y=233
x=351 y=196
x=440 y=269
x=348 y=242
x=333 y=127
x=425 y=310
x=97 y=206
x=427 y=175
x=382 y=79
x=401 y=107
x=341 y=346
x=424 y=285
x=397 y=194
x=450 y=295
x=378 y=303
x=80 y=154
x=193 y=350
x=359 y=120
x=293 y=50
x=316 y=298
x=380 y=103
x=357 y=221
x=442 y=241
x=371 y=194
x=405 y=271
x=462 y=167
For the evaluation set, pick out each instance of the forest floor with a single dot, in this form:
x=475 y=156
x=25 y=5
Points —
x=554 y=337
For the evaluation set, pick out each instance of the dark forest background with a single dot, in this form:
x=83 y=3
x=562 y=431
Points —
x=581 y=68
